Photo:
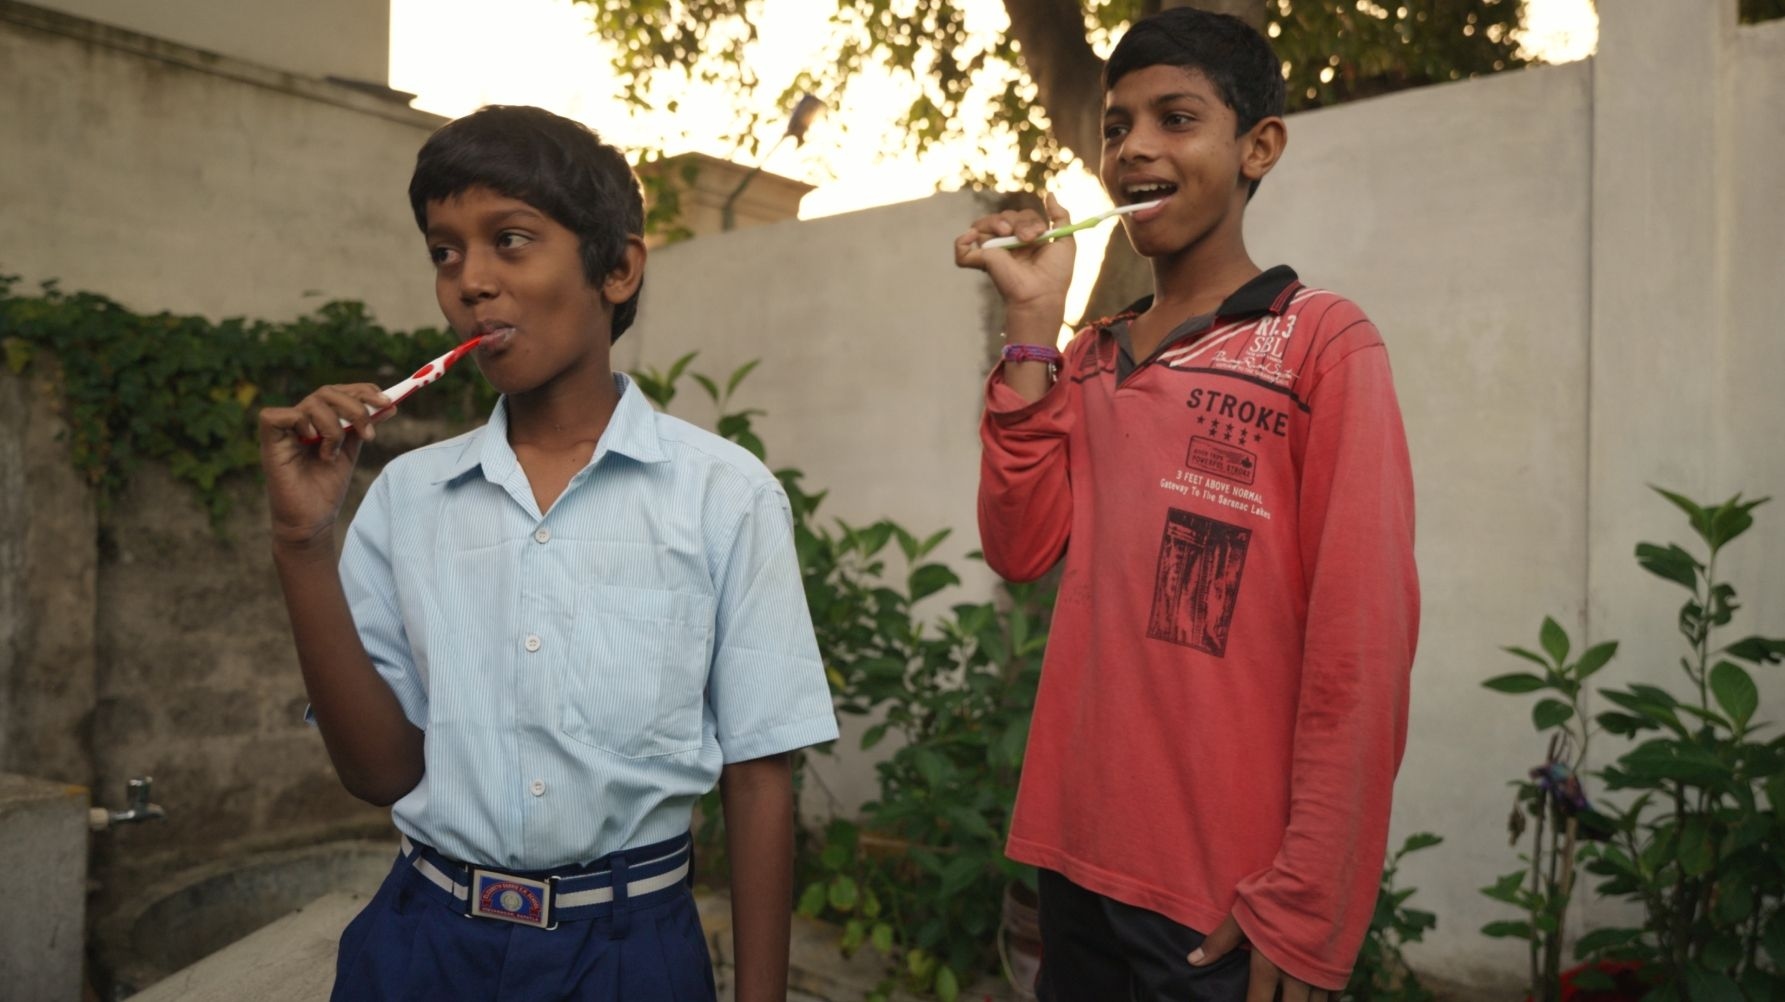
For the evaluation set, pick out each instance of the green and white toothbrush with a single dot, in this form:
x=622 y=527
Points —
x=1058 y=232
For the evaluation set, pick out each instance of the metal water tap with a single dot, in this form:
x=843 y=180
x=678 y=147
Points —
x=136 y=793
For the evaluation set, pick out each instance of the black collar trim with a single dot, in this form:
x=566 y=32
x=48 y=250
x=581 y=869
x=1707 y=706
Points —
x=1270 y=292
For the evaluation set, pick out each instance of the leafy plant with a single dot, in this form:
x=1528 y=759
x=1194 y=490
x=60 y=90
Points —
x=920 y=876
x=1702 y=846
x=1381 y=973
x=1552 y=799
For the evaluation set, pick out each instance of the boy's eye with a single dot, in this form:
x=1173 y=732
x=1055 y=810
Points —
x=1179 y=119
x=1113 y=131
x=510 y=239
x=441 y=255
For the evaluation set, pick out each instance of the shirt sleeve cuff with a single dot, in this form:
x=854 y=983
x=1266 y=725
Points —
x=785 y=738
x=1007 y=407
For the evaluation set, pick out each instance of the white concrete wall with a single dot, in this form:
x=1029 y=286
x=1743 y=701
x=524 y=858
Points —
x=171 y=180
x=1745 y=441
x=317 y=38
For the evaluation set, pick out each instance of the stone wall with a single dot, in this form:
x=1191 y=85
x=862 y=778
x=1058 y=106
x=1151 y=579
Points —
x=48 y=589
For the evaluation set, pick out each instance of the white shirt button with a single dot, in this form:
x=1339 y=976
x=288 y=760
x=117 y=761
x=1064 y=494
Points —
x=537 y=788
x=543 y=536
x=532 y=643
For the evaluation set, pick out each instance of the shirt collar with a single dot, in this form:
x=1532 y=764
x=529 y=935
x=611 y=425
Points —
x=1269 y=292
x=631 y=432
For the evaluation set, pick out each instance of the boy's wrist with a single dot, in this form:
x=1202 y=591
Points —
x=1034 y=323
x=318 y=546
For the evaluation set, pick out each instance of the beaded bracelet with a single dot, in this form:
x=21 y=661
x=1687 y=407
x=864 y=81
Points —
x=1032 y=353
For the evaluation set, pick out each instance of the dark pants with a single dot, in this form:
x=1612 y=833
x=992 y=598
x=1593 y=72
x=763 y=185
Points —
x=1097 y=949
x=411 y=944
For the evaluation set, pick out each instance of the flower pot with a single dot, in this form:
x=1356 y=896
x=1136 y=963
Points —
x=1019 y=940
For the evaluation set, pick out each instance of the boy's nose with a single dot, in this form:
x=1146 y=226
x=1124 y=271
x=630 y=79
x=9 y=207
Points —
x=1138 y=144
x=477 y=278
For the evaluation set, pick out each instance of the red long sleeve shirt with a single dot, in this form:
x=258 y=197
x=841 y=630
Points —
x=1223 y=704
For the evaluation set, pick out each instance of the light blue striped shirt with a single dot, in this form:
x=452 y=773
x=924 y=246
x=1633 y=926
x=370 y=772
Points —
x=583 y=675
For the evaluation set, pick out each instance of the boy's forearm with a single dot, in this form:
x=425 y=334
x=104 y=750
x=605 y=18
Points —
x=376 y=751
x=758 y=804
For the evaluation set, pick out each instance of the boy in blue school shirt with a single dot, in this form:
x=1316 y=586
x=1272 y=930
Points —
x=547 y=638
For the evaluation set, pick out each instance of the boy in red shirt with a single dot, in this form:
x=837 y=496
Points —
x=1224 y=702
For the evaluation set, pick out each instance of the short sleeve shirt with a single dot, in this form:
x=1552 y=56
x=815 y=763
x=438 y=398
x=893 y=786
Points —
x=582 y=675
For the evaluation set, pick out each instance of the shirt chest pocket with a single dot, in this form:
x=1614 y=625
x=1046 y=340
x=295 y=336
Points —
x=636 y=677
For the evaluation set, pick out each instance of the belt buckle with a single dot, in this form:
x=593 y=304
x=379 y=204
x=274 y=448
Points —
x=508 y=898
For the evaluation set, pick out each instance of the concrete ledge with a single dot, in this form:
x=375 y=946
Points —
x=292 y=960
x=344 y=95
x=43 y=843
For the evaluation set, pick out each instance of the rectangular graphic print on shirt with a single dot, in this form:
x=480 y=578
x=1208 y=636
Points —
x=1197 y=581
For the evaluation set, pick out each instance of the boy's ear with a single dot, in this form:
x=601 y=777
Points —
x=1262 y=146
x=623 y=281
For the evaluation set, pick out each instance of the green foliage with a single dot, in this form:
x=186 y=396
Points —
x=1550 y=800
x=929 y=850
x=1701 y=847
x=184 y=390
x=920 y=877
x=1381 y=973
x=1333 y=51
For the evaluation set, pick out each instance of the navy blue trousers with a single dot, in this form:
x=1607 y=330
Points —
x=411 y=944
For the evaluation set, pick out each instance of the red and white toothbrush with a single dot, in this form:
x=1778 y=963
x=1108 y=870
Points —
x=421 y=377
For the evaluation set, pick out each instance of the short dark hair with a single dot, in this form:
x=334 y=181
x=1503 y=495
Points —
x=1235 y=57
x=558 y=166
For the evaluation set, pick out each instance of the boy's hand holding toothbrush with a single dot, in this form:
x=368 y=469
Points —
x=308 y=452
x=1032 y=278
